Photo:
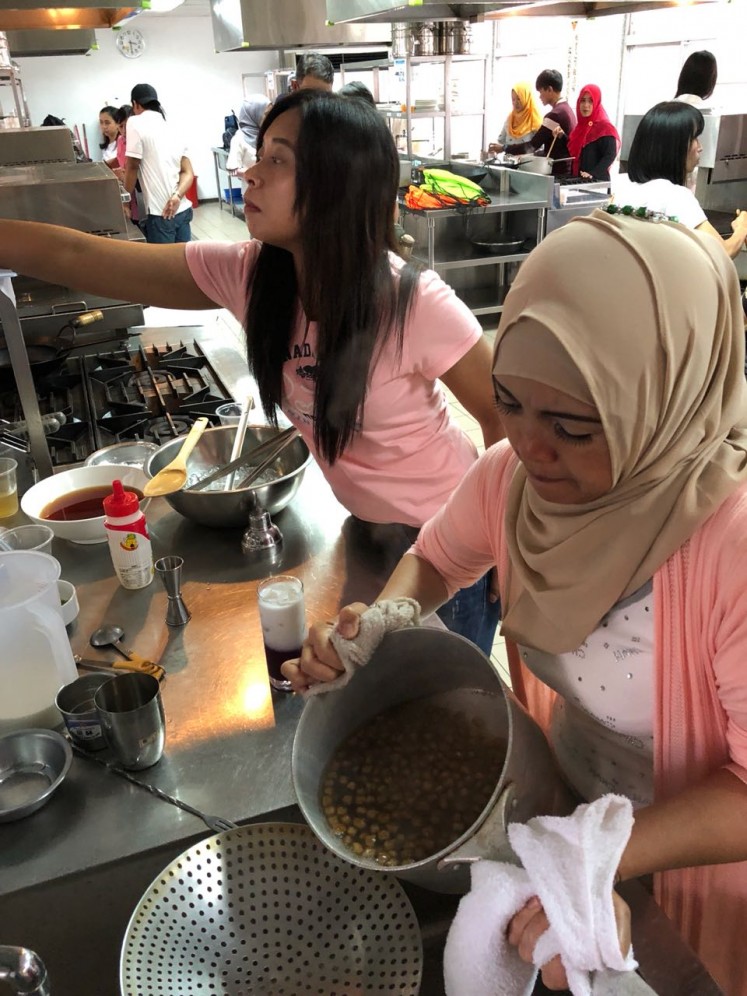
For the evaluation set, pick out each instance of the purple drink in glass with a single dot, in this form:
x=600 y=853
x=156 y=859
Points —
x=283 y=619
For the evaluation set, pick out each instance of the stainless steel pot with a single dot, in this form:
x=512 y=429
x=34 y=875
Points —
x=425 y=663
x=539 y=164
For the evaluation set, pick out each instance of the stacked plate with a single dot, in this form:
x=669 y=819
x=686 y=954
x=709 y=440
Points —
x=427 y=105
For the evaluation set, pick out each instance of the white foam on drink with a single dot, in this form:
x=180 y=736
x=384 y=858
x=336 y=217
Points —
x=282 y=614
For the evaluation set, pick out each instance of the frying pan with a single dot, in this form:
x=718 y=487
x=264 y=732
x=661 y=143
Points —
x=45 y=357
x=470 y=172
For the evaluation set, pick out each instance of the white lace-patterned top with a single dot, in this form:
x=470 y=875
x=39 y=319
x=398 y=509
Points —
x=602 y=724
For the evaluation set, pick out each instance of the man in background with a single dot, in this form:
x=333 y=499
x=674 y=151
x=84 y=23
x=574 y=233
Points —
x=313 y=72
x=158 y=158
x=560 y=120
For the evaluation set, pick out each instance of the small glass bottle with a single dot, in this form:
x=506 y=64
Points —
x=129 y=542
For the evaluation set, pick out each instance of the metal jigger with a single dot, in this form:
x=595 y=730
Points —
x=262 y=539
x=170 y=571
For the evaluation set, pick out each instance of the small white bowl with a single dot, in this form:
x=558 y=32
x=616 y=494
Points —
x=37 y=498
x=68 y=601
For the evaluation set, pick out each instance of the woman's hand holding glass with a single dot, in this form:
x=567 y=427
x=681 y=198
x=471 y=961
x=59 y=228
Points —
x=319 y=661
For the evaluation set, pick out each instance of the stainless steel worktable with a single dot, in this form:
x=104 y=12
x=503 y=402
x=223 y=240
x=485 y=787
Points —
x=228 y=740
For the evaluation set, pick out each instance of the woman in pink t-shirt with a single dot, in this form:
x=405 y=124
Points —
x=617 y=518
x=351 y=342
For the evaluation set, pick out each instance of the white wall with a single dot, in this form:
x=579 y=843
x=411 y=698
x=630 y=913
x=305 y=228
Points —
x=196 y=86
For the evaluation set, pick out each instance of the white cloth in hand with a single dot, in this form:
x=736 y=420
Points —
x=381 y=618
x=569 y=863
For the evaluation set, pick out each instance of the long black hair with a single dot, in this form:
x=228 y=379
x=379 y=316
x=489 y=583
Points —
x=661 y=142
x=347 y=175
x=698 y=74
x=111 y=111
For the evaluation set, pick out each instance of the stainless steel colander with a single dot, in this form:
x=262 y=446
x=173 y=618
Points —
x=267 y=910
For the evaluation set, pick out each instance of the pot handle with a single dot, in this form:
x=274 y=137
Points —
x=490 y=840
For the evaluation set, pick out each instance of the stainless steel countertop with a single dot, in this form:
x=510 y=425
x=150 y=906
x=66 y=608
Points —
x=228 y=739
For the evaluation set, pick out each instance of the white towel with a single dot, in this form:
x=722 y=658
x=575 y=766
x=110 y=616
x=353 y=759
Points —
x=379 y=619
x=569 y=863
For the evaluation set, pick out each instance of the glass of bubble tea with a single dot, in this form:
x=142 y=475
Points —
x=282 y=615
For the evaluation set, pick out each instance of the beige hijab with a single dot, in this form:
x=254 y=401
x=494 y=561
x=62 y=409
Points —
x=644 y=321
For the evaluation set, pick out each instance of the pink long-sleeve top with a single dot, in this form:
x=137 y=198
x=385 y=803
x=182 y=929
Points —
x=700 y=675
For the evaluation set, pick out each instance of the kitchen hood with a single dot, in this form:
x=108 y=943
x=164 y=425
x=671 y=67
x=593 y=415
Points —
x=285 y=24
x=27 y=15
x=372 y=11
x=45 y=42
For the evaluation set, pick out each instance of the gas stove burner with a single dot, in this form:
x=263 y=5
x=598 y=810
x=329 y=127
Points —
x=144 y=379
x=159 y=430
x=109 y=397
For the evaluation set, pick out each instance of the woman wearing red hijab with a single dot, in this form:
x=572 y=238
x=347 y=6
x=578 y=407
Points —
x=594 y=142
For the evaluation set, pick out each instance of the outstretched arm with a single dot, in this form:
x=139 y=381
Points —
x=148 y=274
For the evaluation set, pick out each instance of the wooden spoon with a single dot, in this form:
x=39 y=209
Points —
x=174 y=475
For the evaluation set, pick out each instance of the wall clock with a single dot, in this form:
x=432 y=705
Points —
x=130 y=43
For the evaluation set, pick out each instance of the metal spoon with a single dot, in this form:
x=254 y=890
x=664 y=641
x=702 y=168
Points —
x=109 y=636
x=173 y=476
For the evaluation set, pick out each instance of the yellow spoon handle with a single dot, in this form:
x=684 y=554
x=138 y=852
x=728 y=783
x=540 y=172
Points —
x=193 y=437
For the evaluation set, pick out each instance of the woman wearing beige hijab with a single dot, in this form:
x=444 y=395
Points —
x=618 y=521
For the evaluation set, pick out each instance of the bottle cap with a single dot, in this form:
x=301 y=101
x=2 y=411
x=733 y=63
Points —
x=120 y=502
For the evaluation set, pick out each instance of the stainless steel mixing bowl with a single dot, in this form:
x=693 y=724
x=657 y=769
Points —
x=231 y=508
x=33 y=764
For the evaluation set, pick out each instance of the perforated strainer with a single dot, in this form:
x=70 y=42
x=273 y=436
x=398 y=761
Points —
x=267 y=910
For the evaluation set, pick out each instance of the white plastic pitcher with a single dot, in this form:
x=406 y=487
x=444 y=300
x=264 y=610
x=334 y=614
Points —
x=35 y=655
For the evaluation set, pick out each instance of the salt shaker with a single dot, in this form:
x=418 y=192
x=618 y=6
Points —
x=129 y=542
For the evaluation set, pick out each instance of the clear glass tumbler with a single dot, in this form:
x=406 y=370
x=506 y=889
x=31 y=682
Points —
x=282 y=615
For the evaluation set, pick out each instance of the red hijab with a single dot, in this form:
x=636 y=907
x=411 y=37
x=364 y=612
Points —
x=590 y=129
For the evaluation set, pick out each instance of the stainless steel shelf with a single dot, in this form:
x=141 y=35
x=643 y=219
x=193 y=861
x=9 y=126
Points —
x=485 y=300
x=413 y=115
x=498 y=203
x=408 y=116
x=492 y=259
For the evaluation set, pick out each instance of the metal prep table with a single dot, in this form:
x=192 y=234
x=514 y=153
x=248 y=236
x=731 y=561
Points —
x=220 y=158
x=71 y=874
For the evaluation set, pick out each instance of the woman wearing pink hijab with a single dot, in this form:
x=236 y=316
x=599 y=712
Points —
x=594 y=142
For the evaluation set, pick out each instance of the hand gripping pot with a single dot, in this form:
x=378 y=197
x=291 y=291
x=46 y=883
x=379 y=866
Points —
x=427 y=663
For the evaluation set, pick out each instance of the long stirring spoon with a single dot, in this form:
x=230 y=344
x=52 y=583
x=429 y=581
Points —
x=238 y=442
x=173 y=476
